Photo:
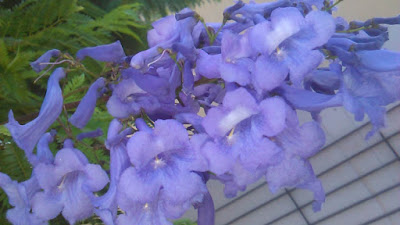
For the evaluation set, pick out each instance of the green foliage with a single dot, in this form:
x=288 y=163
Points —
x=156 y=8
x=184 y=222
x=73 y=90
x=30 y=28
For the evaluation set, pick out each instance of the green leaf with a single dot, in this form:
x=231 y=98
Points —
x=4 y=60
x=184 y=222
x=72 y=88
x=4 y=131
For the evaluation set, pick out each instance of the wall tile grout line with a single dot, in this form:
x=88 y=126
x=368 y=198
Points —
x=382 y=216
x=357 y=203
x=297 y=207
x=390 y=146
x=337 y=189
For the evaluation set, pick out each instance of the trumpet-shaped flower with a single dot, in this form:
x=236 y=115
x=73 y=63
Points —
x=26 y=136
x=162 y=173
x=68 y=185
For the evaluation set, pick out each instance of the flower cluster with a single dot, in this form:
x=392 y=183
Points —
x=206 y=101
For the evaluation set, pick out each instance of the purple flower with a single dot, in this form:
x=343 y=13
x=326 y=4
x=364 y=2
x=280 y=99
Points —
x=155 y=94
x=299 y=143
x=288 y=44
x=295 y=172
x=162 y=174
x=238 y=105
x=85 y=109
x=68 y=185
x=208 y=65
x=247 y=151
x=42 y=61
x=236 y=64
x=370 y=82
x=26 y=136
x=106 y=53
x=151 y=213
x=368 y=92
x=20 y=197
x=164 y=30
x=167 y=33
x=119 y=161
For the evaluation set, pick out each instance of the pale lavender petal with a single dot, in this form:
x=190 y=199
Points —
x=26 y=136
x=208 y=65
x=10 y=187
x=218 y=157
x=310 y=101
x=320 y=27
x=380 y=60
x=134 y=188
x=77 y=204
x=47 y=176
x=143 y=146
x=319 y=194
x=271 y=121
x=163 y=30
x=253 y=150
x=235 y=46
x=301 y=62
x=86 y=107
x=106 y=53
x=191 y=118
x=238 y=72
x=96 y=177
x=185 y=186
x=45 y=58
x=105 y=216
x=267 y=36
x=237 y=106
x=47 y=206
x=43 y=153
x=19 y=196
x=304 y=141
x=240 y=98
x=291 y=172
x=269 y=73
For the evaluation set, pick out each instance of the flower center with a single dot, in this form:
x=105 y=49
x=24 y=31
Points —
x=158 y=163
x=280 y=53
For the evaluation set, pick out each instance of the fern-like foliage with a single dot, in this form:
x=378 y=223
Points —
x=32 y=27
x=14 y=163
x=156 y=8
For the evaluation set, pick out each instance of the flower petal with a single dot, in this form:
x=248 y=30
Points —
x=86 y=107
x=106 y=53
x=272 y=118
x=206 y=214
x=96 y=177
x=26 y=136
x=46 y=206
x=269 y=73
x=45 y=58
